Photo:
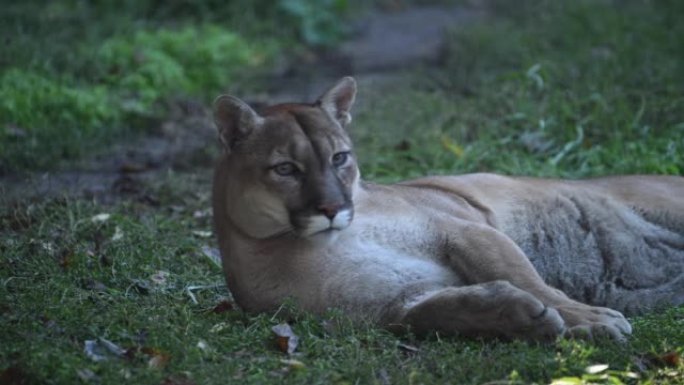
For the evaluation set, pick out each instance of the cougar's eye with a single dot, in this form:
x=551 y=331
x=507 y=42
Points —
x=285 y=169
x=339 y=159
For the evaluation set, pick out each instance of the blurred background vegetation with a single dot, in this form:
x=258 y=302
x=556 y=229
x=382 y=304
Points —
x=75 y=74
x=569 y=88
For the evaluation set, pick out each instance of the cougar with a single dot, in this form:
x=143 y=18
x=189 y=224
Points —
x=476 y=255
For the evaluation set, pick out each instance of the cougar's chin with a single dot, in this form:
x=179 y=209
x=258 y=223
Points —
x=317 y=224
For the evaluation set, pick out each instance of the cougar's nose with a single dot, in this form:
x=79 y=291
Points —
x=330 y=209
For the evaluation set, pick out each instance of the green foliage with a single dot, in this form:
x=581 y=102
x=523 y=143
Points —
x=75 y=73
x=32 y=100
x=49 y=116
x=46 y=116
x=318 y=22
x=201 y=60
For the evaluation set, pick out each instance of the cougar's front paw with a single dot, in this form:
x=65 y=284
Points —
x=589 y=322
x=523 y=316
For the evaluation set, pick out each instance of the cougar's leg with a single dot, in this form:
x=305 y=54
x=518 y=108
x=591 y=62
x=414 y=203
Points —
x=492 y=309
x=481 y=253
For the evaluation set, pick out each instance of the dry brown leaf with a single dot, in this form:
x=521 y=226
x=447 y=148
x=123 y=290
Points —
x=223 y=307
x=131 y=167
x=158 y=359
x=286 y=340
x=66 y=257
x=14 y=375
x=158 y=362
x=670 y=359
x=645 y=362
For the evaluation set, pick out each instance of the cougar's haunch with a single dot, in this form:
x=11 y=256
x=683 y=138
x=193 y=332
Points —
x=477 y=254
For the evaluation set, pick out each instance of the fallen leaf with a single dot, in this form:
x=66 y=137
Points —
x=65 y=258
x=199 y=214
x=158 y=359
x=294 y=364
x=190 y=289
x=125 y=373
x=212 y=254
x=594 y=369
x=159 y=278
x=223 y=307
x=100 y=218
x=158 y=362
x=142 y=286
x=130 y=167
x=668 y=359
x=203 y=346
x=202 y=233
x=102 y=349
x=452 y=146
x=407 y=348
x=118 y=234
x=218 y=327
x=49 y=247
x=86 y=375
x=14 y=375
x=286 y=340
x=671 y=358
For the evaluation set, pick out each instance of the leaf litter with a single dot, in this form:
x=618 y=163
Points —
x=286 y=340
x=102 y=349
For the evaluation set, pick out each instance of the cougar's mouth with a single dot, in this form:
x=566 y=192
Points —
x=316 y=224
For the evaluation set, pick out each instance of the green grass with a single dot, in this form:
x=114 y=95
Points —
x=66 y=279
x=555 y=88
x=581 y=89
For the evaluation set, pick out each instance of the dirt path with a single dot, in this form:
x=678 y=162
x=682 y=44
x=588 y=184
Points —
x=384 y=44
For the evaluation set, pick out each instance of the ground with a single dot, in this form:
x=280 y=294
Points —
x=114 y=244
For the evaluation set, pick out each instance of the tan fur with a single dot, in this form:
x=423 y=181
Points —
x=459 y=254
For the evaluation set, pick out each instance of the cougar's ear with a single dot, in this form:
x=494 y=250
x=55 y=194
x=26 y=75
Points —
x=234 y=120
x=339 y=99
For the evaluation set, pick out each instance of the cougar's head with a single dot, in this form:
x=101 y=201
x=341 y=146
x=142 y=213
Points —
x=288 y=168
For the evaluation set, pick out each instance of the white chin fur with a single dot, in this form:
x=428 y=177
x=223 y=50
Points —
x=342 y=220
x=319 y=223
